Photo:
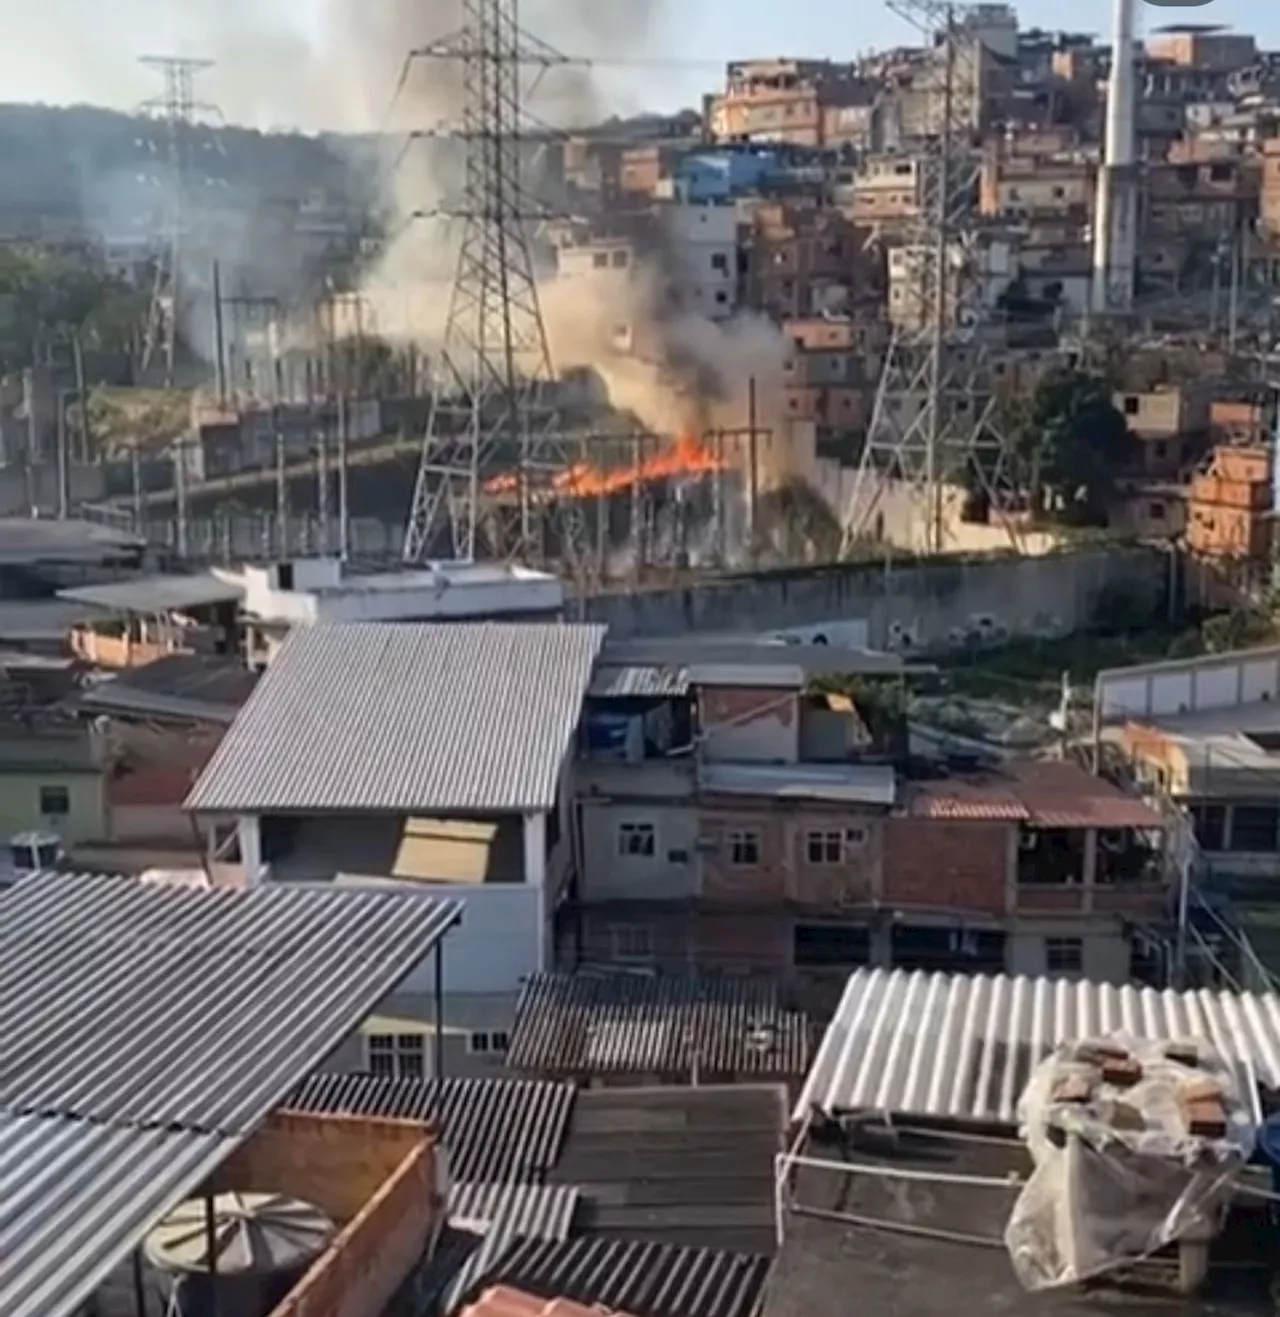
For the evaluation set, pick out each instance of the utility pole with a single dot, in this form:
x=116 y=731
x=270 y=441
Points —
x=344 y=519
x=933 y=427
x=219 y=337
x=180 y=490
x=178 y=109
x=282 y=464
x=493 y=406
x=82 y=397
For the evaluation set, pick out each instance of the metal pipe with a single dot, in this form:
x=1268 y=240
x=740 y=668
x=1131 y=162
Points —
x=211 y=1249
x=438 y=1041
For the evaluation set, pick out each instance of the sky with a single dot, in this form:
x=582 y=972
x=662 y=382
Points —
x=279 y=59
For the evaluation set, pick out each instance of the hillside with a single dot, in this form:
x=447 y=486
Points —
x=100 y=167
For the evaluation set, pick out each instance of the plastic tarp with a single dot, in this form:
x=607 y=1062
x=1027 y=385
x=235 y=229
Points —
x=1118 y=1171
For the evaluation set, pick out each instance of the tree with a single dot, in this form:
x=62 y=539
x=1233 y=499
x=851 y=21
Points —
x=1070 y=446
x=46 y=296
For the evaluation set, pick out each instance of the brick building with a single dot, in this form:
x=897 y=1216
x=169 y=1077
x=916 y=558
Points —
x=818 y=103
x=831 y=373
x=784 y=839
x=802 y=260
x=1229 y=505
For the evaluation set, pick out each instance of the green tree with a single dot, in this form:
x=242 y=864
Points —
x=46 y=296
x=1070 y=446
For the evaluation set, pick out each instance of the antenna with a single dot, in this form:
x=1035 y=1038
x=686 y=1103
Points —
x=493 y=401
x=177 y=108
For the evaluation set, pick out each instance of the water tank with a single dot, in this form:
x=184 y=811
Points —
x=263 y=1243
x=31 y=852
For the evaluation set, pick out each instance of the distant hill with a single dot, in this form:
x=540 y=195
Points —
x=101 y=165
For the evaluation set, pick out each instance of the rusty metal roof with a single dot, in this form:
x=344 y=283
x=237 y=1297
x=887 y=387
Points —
x=1039 y=793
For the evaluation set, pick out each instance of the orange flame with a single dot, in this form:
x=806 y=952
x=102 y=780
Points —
x=687 y=457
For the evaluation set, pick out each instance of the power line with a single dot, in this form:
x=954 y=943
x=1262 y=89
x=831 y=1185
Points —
x=493 y=399
x=932 y=426
x=178 y=108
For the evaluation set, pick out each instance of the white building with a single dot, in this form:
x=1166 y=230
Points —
x=310 y=590
x=435 y=757
x=703 y=242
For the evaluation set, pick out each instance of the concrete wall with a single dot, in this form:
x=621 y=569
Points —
x=931 y=602
x=86 y=797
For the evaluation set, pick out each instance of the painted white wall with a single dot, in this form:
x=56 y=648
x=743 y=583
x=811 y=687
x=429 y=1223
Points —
x=499 y=943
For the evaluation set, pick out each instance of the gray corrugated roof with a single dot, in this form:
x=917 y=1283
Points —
x=198 y=687
x=495 y=1130
x=75 y=1196
x=492 y=1217
x=588 y=1024
x=157 y=594
x=638 y=682
x=28 y=540
x=640 y=1278
x=145 y=1030
x=406 y=719
x=961 y=1046
x=155 y=1005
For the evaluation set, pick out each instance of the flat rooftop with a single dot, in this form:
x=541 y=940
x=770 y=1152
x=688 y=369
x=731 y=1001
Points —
x=451 y=575
x=1224 y=738
x=899 y=1267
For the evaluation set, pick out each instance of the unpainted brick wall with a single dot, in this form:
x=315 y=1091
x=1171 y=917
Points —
x=375 y=1178
x=963 y=865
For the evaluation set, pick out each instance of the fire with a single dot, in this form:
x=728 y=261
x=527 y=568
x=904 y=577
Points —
x=687 y=457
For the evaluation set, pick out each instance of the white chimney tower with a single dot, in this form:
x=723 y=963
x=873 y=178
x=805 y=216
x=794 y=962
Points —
x=1115 y=218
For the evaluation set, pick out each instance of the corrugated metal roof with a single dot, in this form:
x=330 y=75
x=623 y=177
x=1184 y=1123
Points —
x=536 y=1211
x=406 y=719
x=1044 y=793
x=638 y=682
x=645 y=1279
x=167 y=1006
x=497 y=1215
x=677 y=1164
x=862 y=784
x=495 y=1130
x=625 y=1024
x=75 y=1196
x=961 y=1047
x=157 y=594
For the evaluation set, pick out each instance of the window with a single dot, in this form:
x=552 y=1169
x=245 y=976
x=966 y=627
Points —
x=744 y=847
x=1063 y=955
x=1156 y=510
x=720 y=262
x=837 y=946
x=825 y=847
x=1253 y=827
x=631 y=942
x=637 y=839
x=401 y=1055
x=55 y=802
x=1131 y=405
x=600 y=260
x=620 y=259
x=488 y=1042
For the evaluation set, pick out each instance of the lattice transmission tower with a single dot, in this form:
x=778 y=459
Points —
x=493 y=413
x=933 y=426
x=177 y=109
